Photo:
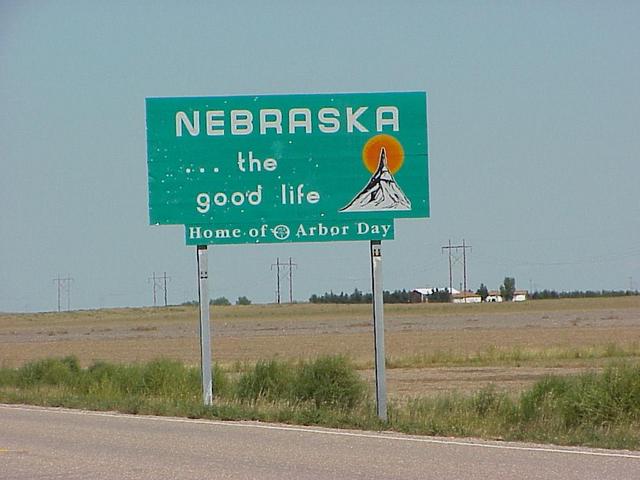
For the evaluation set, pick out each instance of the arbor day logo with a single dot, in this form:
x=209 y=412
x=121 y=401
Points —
x=281 y=232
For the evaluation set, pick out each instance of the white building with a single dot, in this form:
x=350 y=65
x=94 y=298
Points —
x=494 y=296
x=421 y=295
x=518 y=296
x=466 y=297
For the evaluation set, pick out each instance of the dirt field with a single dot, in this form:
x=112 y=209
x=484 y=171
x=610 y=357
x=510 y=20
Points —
x=440 y=332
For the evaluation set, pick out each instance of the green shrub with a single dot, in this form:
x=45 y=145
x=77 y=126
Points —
x=164 y=378
x=221 y=384
x=271 y=380
x=8 y=377
x=102 y=372
x=611 y=397
x=488 y=402
x=168 y=378
x=329 y=382
x=72 y=363
x=543 y=398
x=50 y=371
x=120 y=379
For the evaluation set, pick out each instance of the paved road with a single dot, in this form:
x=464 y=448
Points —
x=44 y=443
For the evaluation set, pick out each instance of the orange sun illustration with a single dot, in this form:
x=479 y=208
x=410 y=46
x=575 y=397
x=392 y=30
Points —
x=393 y=148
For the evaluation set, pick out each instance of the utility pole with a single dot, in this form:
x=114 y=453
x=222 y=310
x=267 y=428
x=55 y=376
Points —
x=455 y=248
x=464 y=266
x=450 y=275
x=64 y=286
x=157 y=283
x=277 y=265
x=152 y=280
x=290 y=266
x=164 y=286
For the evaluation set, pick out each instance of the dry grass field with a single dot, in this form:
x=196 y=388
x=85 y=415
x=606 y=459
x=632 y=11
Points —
x=430 y=348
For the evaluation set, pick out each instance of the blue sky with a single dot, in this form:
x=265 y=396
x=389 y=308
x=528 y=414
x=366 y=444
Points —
x=533 y=131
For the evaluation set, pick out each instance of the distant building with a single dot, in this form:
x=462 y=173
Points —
x=518 y=296
x=466 y=297
x=494 y=296
x=421 y=295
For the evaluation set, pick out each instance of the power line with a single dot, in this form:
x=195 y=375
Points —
x=284 y=266
x=63 y=286
x=290 y=266
x=154 y=285
x=454 y=249
x=159 y=283
x=278 y=265
x=164 y=286
x=450 y=275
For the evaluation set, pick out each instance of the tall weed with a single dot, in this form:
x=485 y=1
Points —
x=329 y=381
x=50 y=371
x=270 y=380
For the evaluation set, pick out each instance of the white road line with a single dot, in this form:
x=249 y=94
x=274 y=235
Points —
x=339 y=433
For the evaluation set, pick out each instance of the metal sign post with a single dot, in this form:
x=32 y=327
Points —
x=205 y=332
x=378 y=329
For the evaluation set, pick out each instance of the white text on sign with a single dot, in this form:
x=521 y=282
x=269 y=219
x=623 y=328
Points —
x=299 y=120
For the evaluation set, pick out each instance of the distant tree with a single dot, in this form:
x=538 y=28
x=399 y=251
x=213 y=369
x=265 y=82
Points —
x=220 y=301
x=508 y=289
x=356 y=296
x=552 y=294
x=397 y=296
x=243 y=301
x=440 y=296
x=545 y=295
x=483 y=291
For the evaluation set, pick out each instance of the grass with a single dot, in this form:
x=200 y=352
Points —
x=595 y=409
x=516 y=356
x=599 y=410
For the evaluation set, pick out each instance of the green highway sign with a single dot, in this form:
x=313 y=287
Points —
x=323 y=158
x=281 y=232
